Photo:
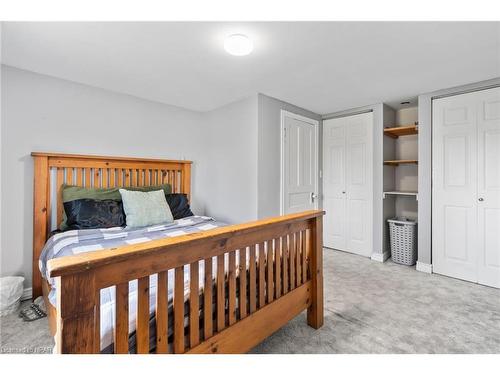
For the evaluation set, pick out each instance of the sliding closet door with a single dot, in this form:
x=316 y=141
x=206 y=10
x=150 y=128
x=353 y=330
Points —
x=488 y=187
x=466 y=187
x=454 y=140
x=347 y=189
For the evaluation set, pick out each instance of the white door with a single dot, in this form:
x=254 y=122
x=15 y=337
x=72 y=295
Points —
x=347 y=183
x=299 y=180
x=466 y=186
x=488 y=187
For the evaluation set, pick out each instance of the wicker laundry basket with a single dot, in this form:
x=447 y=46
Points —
x=403 y=235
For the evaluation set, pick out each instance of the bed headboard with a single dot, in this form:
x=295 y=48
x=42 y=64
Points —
x=52 y=170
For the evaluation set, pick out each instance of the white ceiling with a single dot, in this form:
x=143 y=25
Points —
x=320 y=66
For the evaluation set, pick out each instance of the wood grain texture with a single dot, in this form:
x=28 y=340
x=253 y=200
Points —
x=315 y=310
x=121 y=322
x=194 y=304
x=162 y=313
x=221 y=299
x=142 y=324
x=179 y=345
x=252 y=280
x=245 y=334
x=262 y=274
x=231 y=275
x=208 y=329
x=270 y=271
x=242 y=272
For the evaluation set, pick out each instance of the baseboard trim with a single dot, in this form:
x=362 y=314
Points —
x=27 y=294
x=424 y=267
x=381 y=257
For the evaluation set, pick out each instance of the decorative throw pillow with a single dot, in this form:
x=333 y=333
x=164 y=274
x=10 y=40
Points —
x=70 y=193
x=94 y=214
x=145 y=208
x=179 y=205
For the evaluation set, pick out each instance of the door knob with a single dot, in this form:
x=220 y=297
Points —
x=343 y=192
x=313 y=197
x=480 y=199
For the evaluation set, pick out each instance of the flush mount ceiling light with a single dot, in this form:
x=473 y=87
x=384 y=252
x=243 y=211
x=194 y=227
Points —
x=238 y=45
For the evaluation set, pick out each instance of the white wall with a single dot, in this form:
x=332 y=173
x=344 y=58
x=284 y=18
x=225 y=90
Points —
x=40 y=113
x=230 y=192
x=269 y=144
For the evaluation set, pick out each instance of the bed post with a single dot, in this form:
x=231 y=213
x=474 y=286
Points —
x=315 y=311
x=78 y=313
x=40 y=218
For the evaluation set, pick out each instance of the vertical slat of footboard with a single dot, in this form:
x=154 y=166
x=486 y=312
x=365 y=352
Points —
x=142 y=332
x=305 y=241
x=285 y=263
x=207 y=300
x=97 y=331
x=292 y=261
x=121 y=324
x=262 y=276
x=194 y=304
x=179 y=310
x=243 y=283
x=221 y=313
x=162 y=313
x=270 y=271
x=298 y=259
x=79 y=177
x=277 y=266
x=252 y=279
x=232 y=288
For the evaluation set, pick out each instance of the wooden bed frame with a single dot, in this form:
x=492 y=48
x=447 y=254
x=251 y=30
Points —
x=282 y=283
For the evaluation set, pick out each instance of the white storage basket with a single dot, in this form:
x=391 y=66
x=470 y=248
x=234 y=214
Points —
x=403 y=235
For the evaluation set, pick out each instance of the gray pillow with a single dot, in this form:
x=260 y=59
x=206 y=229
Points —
x=145 y=208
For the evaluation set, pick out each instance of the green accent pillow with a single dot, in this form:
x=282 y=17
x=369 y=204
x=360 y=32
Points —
x=145 y=208
x=71 y=193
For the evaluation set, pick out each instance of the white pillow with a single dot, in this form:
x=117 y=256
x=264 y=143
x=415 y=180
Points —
x=145 y=208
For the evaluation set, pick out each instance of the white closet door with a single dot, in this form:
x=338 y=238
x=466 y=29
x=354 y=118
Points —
x=488 y=187
x=454 y=218
x=359 y=183
x=466 y=187
x=348 y=192
x=334 y=199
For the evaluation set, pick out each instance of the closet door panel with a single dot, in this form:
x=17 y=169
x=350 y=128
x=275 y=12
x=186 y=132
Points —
x=488 y=187
x=359 y=183
x=454 y=188
x=334 y=228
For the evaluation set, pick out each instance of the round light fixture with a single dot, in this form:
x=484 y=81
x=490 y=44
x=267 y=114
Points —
x=238 y=45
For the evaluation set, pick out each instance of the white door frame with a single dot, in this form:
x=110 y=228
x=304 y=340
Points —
x=311 y=121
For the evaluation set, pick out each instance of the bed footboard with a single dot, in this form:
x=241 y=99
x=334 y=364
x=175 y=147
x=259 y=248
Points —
x=278 y=275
